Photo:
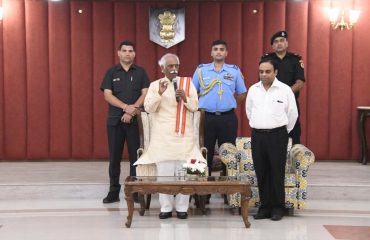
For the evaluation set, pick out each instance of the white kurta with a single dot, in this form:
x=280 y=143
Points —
x=165 y=144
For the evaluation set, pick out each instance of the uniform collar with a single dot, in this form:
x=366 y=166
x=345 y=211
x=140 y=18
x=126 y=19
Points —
x=275 y=83
x=287 y=54
x=119 y=67
x=213 y=68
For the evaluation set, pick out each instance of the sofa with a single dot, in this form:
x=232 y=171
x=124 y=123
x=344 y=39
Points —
x=239 y=163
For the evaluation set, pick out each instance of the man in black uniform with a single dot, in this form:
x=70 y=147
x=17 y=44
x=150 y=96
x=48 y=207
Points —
x=124 y=86
x=290 y=71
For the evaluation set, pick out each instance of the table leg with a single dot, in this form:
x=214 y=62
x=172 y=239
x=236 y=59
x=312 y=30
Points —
x=142 y=204
x=130 y=207
x=361 y=128
x=244 y=209
x=202 y=203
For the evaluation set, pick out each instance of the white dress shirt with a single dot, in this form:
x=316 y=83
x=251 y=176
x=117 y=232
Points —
x=273 y=108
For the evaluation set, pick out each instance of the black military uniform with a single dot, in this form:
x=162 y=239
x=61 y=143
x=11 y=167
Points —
x=126 y=86
x=290 y=69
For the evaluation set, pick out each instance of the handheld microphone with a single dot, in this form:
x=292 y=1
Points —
x=175 y=86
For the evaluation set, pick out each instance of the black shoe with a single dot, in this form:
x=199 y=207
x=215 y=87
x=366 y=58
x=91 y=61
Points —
x=276 y=217
x=277 y=214
x=262 y=215
x=111 y=197
x=182 y=215
x=164 y=215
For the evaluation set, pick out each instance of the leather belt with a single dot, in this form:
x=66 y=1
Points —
x=220 y=113
x=269 y=130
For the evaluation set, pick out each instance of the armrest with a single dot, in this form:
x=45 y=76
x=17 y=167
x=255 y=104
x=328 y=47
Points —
x=228 y=154
x=139 y=152
x=302 y=158
x=204 y=152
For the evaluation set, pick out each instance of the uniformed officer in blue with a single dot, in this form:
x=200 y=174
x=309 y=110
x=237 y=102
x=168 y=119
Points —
x=220 y=86
x=290 y=71
x=125 y=86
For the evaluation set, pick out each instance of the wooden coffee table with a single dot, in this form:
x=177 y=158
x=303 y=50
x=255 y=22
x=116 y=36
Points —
x=174 y=185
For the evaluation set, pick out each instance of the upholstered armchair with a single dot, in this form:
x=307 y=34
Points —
x=238 y=161
x=144 y=121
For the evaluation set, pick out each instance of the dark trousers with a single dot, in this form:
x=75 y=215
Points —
x=295 y=134
x=269 y=152
x=117 y=135
x=222 y=128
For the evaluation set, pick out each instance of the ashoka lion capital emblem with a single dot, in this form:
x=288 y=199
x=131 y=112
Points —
x=167 y=20
x=167 y=26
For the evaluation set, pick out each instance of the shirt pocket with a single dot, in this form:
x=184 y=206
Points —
x=229 y=84
x=117 y=86
x=278 y=107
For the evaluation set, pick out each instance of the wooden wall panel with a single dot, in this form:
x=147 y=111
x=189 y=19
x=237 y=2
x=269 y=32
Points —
x=81 y=55
x=252 y=42
x=60 y=80
x=15 y=80
x=209 y=25
x=318 y=85
x=145 y=49
x=2 y=128
x=37 y=79
x=189 y=62
x=340 y=66
x=297 y=27
x=274 y=20
x=124 y=23
x=231 y=32
x=103 y=32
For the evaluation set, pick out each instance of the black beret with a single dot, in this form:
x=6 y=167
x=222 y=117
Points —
x=279 y=34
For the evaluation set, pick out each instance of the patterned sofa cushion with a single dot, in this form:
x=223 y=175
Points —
x=238 y=160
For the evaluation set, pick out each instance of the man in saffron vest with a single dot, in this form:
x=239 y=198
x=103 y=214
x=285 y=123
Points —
x=172 y=139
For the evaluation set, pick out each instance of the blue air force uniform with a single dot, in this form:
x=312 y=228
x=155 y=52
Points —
x=216 y=91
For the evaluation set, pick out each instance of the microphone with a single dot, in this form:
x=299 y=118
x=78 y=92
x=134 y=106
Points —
x=175 y=86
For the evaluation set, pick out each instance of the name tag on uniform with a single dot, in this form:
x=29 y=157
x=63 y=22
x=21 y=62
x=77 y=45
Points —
x=116 y=79
x=228 y=76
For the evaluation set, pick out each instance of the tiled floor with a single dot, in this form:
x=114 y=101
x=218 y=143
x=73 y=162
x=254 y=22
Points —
x=29 y=212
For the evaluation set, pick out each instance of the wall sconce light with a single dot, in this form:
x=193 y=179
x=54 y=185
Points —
x=341 y=24
x=1 y=13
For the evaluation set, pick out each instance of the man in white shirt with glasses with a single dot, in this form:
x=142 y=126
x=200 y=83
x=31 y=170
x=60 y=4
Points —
x=272 y=113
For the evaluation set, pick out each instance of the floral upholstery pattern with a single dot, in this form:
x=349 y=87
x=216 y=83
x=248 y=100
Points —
x=238 y=161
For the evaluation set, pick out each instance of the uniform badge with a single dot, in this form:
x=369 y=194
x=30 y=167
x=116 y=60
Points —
x=116 y=79
x=228 y=76
x=301 y=62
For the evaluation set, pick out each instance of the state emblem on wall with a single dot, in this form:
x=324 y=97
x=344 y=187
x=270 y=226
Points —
x=167 y=26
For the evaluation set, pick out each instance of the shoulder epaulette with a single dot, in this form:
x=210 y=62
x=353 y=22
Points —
x=295 y=55
x=232 y=66
x=266 y=55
